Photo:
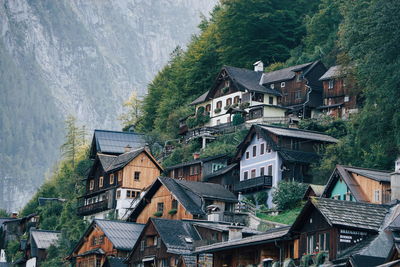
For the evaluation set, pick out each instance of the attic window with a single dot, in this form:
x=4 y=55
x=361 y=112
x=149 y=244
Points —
x=330 y=84
x=283 y=84
x=136 y=176
x=188 y=240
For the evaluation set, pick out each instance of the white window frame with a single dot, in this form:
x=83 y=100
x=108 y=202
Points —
x=272 y=169
x=377 y=195
x=244 y=176
x=101 y=181
x=112 y=179
x=254 y=155
x=272 y=86
x=255 y=173
x=91 y=184
x=330 y=84
x=283 y=84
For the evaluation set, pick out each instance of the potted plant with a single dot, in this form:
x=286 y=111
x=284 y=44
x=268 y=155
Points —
x=217 y=110
x=172 y=211
x=157 y=214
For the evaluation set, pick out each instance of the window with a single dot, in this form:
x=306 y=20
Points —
x=268 y=149
x=111 y=178
x=227 y=83
x=208 y=107
x=297 y=95
x=229 y=101
x=160 y=207
x=128 y=193
x=377 y=194
x=136 y=176
x=247 y=154
x=236 y=100
x=142 y=244
x=258 y=97
x=310 y=244
x=254 y=151
x=218 y=122
x=271 y=100
x=101 y=239
x=91 y=184
x=217 y=166
x=219 y=104
x=346 y=98
x=262 y=149
x=299 y=77
x=119 y=176
x=337 y=197
x=174 y=204
x=283 y=84
x=262 y=171
x=330 y=84
x=245 y=175
x=118 y=194
x=194 y=169
x=324 y=242
x=180 y=172
x=269 y=170
x=272 y=86
x=347 y=196
x=253 y=173
x=101 y=181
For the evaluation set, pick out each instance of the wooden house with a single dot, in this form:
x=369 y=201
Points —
x=178 y=199
x=37 y=245
x=198 y=168
x=12 y=229
x=269 y=154
x=358 y=184
x=299 y=86
x=337 y=227
x=104 y=242
x=227 y=176
x=115 y=142
x=115 y=182
x=239 y=90
x=273 y=245
x=338 y=99
x=165 y=243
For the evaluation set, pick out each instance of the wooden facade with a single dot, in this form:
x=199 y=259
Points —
x=164 y=196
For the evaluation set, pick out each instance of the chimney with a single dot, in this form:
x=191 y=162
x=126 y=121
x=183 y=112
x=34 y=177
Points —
x=235 y=232
x=258 y=66
x=196 y=155
x=14 y=215
x=127 y=148
x=395 y=181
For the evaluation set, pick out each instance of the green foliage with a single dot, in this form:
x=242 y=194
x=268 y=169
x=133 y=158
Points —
x=157 y=214
x=237 y=119
x=285 y=217
x=4 y=213
x=306 y=260
x=172 y=211
x=12 y=251
x=320 y=258
x=288 y=194
x=74 y=139
x=224 y=144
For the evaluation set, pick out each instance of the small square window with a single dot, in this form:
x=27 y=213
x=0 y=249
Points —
x=91 y=184
x=283 y=84
x=128 y=193
x=346 y=98
x=118 y=194
x=160 y=207
x=119 y=176
x=136 y=176
x=272 y=86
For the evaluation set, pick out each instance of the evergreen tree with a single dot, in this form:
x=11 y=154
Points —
x=74 y=139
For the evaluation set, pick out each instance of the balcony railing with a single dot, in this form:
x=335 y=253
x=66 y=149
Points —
x=253 y=184
x=93 y=208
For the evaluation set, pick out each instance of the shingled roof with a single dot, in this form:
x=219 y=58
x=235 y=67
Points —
x=221 y=171
x=196 y=161
x=44 y=238
x=284 y=74
x=267 y=237
x=190 y=195
x=114 y=142
x=299 y=133
x=345 y=173
x=347 y=213
x=178 y=236
x=332 y=72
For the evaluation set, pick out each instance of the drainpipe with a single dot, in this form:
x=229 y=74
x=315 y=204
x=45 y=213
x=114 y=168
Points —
x=308 y=96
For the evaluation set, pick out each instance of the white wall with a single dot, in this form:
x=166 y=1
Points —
x=31 y=262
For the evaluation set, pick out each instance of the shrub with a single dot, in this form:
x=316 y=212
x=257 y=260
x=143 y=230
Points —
x=244 y=105
x=217 y=110
x=227 y=107
x=172 y=211
x=157 y=214
x=237 y=119
x=191 y=122
x=288 y=194
x=306 y=260
x=320 y=258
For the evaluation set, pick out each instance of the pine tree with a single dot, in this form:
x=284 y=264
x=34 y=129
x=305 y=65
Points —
x=74 y=139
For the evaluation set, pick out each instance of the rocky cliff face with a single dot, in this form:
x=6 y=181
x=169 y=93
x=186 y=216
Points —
x=79 y=57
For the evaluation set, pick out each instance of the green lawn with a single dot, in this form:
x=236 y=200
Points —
x=285 y=217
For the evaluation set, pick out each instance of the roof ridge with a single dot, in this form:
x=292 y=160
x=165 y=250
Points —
x=293 y=67
x=45 y=231
x=362 y=168
x=294 y=129
x=114 y=131
x=118 y=221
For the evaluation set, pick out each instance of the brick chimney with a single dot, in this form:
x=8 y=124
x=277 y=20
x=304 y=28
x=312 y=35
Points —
x=128 y=148
x=235 y=232
x=196 y=155
x=395 y=181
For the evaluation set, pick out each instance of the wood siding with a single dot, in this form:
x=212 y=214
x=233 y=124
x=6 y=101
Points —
x=184 y=173
x=369 y=187
x=163 y=195
x=149 y=172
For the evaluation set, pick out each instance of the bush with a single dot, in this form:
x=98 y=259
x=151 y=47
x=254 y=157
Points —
x=237 y=119
x=320 y=258
x=306 y=260
x=217 y=110
x=191 y=122
x=288 y=195
x=172 y=211
x=157 y=214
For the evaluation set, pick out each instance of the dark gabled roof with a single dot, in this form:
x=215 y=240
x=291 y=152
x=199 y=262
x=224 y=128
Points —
x=394 y=263
x=196 y=161
x=96 y=251
x=366 y=261
x=200 y=99
x=106 y=160
x=317 y=189
x=246 y=79
x=189 y=194
x=267 y=237
x=298 y=133
x=44 y=238
x=3 y=220
x=346 y=213
x=332 y=72
x=115 y=262
x=345 y=173
x=222 y=227
x=221 y=171
x=114 y=142
x=123 y=235
x=298 y=156
x=173 y=234
x=284 y=74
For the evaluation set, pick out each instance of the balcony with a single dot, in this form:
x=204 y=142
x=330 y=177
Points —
x=93 y=208
x=253 y=184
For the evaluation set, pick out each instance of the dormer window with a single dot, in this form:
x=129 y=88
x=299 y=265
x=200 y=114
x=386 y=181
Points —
x=330 y=84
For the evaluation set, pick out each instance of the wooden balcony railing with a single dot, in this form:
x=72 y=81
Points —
x=253 y=184
x=93 y=208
